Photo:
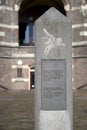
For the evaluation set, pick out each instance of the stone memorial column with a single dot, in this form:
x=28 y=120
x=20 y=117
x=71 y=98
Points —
x=53 y=75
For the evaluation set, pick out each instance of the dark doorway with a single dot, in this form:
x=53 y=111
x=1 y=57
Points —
x=32 y=80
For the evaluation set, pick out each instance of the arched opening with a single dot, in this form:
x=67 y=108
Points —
x=28 y=13
x=26 y=24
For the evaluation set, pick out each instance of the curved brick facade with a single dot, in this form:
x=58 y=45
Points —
x=11 y=52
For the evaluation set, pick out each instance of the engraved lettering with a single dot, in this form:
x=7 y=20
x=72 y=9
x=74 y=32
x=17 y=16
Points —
x=53 y=85
x=52 y=74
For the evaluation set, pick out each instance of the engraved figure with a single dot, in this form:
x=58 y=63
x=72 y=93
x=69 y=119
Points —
x=52 y=42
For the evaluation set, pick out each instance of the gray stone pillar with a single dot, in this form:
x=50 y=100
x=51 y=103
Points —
x=53 y=75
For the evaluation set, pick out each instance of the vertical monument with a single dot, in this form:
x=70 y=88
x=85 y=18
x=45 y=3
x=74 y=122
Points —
x=53 y=75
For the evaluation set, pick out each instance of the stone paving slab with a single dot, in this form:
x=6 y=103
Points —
x=17 y=110
x=80 y=110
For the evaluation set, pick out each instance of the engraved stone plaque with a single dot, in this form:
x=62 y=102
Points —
x=53 y=90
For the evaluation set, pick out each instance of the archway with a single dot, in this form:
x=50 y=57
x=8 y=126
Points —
x=28 y=13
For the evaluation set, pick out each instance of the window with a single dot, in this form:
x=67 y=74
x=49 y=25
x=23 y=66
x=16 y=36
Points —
x=19 y=72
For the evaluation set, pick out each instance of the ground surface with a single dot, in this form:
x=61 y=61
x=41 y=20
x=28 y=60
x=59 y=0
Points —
x=17 y=110
x=80 y=110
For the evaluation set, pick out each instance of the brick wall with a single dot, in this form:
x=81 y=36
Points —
x=9 y=57
x=5 y=73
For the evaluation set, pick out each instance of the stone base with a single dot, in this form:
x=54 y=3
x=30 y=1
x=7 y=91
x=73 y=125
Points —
x=54 y=120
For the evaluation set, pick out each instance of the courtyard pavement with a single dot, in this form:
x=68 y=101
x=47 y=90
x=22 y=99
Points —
x=17 y=110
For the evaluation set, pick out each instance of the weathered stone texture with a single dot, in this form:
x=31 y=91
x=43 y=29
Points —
x=49 y=28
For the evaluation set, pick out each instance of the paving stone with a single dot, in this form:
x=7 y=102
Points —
x=18 y=114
